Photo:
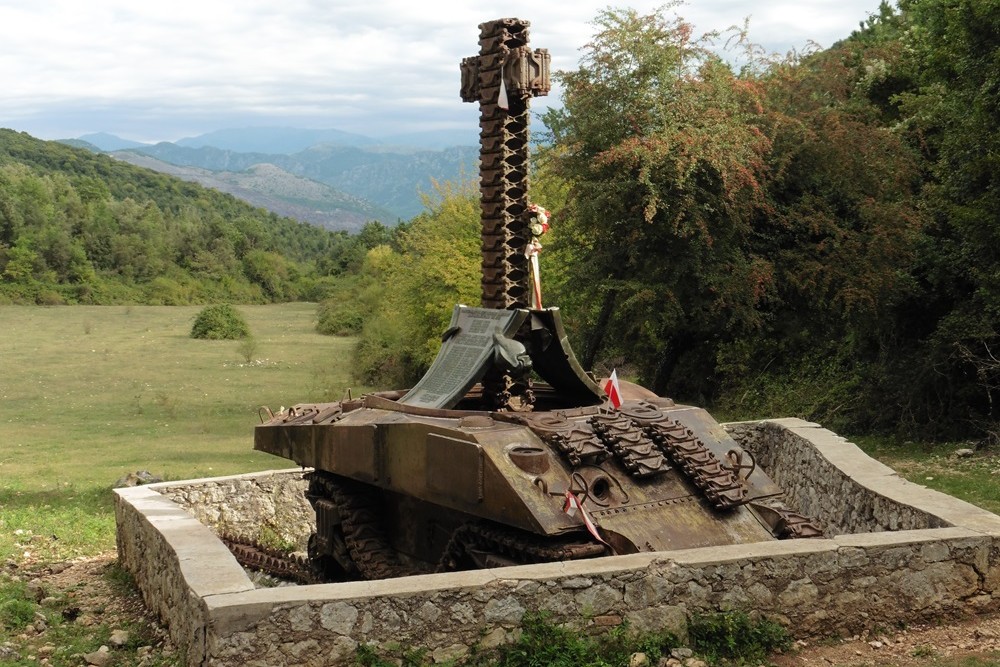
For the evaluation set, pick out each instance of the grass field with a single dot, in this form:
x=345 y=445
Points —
x=90 y=394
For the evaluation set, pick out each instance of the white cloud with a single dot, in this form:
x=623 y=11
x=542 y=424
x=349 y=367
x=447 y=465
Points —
x=195 y=64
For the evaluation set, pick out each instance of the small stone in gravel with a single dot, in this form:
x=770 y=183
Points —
x=964 y=453
x=98 y=658
x=36 y=589
x=638 y=660
x=119 y=638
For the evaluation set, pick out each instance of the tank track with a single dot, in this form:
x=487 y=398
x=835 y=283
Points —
x=502 y=78
x=574 y=440
x=514 y=545
x=375 y=558
x=633 y=446
x=643 y=438
x=503 y=170
x=279 y=564
x=369 y=549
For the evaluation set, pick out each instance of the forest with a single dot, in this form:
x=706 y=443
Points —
x=814 y=235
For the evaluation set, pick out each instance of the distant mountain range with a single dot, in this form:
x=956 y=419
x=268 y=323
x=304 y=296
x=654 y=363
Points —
x=268 y=186
x=334 y=179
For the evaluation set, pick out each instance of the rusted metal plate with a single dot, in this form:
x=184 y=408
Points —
x=680 y=523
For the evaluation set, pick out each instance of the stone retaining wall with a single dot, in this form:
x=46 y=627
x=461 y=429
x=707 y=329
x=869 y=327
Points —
x=827 y=478
x=263 y=506
x=944 y=563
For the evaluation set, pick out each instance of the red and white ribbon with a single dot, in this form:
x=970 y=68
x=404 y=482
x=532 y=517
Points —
x=538 y=224
x=571 y=506
x=531 y=250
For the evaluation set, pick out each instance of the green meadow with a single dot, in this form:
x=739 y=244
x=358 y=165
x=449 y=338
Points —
x=89 y=394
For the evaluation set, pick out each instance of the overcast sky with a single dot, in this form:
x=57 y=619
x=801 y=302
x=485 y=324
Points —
x=153 y=71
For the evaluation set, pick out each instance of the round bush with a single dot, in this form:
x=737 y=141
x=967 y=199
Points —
x=220 y=322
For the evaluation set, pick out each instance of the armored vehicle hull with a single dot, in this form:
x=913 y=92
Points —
x=401 y=490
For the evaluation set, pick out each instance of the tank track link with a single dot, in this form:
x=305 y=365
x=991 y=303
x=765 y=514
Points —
x=367 y=545
x=279 y=564
x=636 y=450
x=575 y=441
x=512 y=544
x=796 y=526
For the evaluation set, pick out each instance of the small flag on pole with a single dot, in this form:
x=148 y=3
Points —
x=613 y=391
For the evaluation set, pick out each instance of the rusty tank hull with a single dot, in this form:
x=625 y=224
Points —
x=400 y=489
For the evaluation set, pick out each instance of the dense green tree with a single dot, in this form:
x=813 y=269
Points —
x=413 y=289
x=660 y=144
x=951 y=112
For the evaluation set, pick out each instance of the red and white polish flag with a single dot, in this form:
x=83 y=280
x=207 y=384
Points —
x=613 y=391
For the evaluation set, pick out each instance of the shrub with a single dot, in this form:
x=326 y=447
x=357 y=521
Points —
x=248 y=348
x=736 y=637
x=340 y=318
x=220 y=322
x=16 y=609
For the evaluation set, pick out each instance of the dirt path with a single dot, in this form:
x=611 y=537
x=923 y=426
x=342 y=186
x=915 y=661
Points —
x=922 y=645
x=94 y=603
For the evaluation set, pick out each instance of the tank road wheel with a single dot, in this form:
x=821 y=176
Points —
x=329 y=558
x=327 y=549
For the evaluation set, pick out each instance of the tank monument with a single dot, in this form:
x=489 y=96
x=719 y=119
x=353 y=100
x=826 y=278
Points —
x=510 y=479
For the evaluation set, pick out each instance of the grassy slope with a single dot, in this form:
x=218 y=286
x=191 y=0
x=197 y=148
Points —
x=90 y=394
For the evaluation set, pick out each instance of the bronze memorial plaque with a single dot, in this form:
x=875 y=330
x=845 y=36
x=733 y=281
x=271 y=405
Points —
x=466 y=353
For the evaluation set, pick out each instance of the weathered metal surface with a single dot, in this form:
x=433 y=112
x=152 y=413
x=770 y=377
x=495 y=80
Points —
x=502 y=79
x=467 y=353
x=516 y=469
x=479 y=465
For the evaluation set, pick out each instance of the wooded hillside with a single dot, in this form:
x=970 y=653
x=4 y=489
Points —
x=76 y=227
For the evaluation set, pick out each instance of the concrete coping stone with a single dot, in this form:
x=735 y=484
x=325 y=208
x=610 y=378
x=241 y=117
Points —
x=882 y=480
x=905 y=537
x=208 y=567
x=205 y=481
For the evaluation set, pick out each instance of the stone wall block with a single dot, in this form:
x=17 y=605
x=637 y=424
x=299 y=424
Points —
x=338 y=617
x=506 y=610
x=800 y=593
x=669 y=618
x=599 y=599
